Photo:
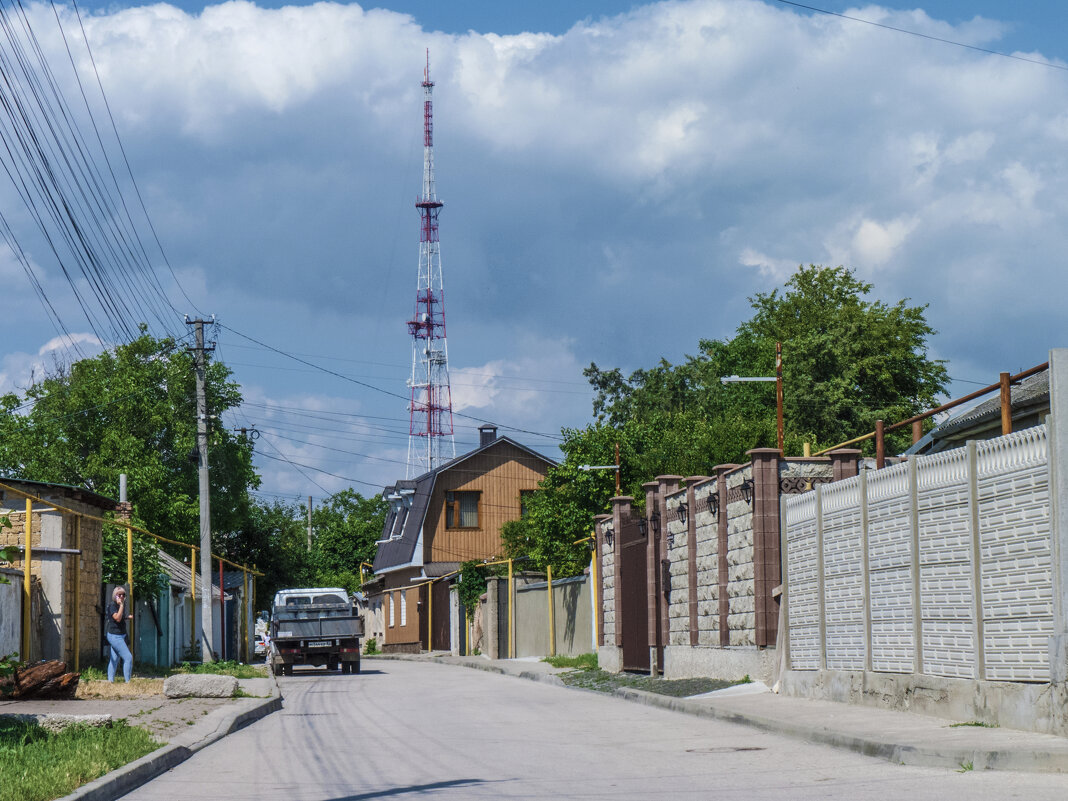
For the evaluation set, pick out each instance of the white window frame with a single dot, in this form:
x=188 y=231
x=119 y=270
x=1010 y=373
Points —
x=404 y=608
x=391 y=610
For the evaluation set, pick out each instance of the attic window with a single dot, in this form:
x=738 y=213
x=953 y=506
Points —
x=461 y=509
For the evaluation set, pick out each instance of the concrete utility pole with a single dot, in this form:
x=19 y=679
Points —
x=206 y=621
x=309 y=522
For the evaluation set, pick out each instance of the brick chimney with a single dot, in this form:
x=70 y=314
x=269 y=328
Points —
x=486 y=434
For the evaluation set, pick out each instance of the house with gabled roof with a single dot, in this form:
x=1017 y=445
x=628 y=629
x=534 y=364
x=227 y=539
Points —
x=439 y=520
x=1029 y=404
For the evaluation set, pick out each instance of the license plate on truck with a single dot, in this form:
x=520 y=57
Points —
x=320 y=644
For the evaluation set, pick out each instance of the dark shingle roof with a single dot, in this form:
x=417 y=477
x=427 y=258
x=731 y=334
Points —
x=1030 y=394
x=394 y=552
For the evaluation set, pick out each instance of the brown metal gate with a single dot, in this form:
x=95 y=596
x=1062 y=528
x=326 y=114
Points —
x=633 y=598
x=442 y=616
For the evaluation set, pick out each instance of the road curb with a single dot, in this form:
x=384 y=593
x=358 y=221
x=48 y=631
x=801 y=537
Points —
x=133 y=774
x=886 y=748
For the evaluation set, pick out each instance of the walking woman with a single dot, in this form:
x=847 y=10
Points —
x=116 y=634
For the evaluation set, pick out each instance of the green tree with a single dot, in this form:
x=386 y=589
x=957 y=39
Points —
x=346 y=527
x=132 y=410
x=276 y=542
x=848 y=361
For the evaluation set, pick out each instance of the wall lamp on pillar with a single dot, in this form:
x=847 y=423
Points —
x=654 y=520
x=747 y=491
x=643 y=526
x=713 y=501
x=683 y=509
x=609 y=536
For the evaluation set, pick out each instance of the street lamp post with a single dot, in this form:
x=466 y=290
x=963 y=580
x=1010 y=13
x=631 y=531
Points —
x=588 y=467
x=777 y=378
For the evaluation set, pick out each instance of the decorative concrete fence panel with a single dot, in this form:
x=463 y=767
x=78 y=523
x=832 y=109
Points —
x=962 y=536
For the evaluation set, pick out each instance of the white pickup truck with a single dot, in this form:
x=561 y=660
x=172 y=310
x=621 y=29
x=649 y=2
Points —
x=315 y=626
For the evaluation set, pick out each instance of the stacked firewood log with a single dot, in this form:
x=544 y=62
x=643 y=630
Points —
x=45 y=679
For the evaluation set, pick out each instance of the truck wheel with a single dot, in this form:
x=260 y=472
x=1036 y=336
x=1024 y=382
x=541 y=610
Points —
x=355 y=666
x=346 y=668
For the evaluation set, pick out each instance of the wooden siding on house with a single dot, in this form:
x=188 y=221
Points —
x=398 y=636
x=499 y=474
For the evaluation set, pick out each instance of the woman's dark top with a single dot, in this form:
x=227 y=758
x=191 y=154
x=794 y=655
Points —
x=113 y=627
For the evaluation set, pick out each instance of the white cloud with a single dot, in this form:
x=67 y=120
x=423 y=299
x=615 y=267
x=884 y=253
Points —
x=603 y=186
x=875 y=243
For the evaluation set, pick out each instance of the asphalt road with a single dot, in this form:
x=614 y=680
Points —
x=407 y=729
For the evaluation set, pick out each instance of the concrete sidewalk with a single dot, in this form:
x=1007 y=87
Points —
x=203 y=722
x=902 y=737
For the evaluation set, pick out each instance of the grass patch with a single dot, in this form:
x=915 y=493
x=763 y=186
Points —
x=965 y=767
x=238 y=670
x=580 y=662
x=38 y=765
x=605 y=682
x=976 y=723
x=145 y=670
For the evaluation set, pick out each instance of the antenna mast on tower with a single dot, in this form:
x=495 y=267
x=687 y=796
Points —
x=430 y=438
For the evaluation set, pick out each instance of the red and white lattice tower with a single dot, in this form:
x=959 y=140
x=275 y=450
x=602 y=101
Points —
x=430 y=440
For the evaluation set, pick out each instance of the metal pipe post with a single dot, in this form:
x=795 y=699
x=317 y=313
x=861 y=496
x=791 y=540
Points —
x=778 y=396
x=193 y=599
x=552 y=612
x=27 y=596
x=511 y=594
x=880 y=445
x=244 y=616
x=222 y=612
x=77 y=591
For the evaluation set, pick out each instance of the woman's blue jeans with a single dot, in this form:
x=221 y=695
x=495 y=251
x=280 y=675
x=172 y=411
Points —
x=119 y=650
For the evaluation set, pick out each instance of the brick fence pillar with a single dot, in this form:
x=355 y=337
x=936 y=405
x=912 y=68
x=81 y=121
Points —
x=598 y=539
x=621 y=512
x=845 y=463
x=767 y=568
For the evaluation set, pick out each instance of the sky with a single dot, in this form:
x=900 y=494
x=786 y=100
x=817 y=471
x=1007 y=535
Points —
x=618 y=179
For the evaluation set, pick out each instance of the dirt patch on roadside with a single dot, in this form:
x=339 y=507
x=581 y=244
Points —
x=137 y=688
x=164 y=718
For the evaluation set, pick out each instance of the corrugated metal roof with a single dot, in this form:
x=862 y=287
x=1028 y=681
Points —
x=182 y=577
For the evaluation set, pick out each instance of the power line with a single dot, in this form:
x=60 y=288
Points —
x=929 y=37
x=374 y=388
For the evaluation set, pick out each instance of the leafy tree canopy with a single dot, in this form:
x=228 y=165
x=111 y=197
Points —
x=132 y=410
x=847 y=361
x=346 y=526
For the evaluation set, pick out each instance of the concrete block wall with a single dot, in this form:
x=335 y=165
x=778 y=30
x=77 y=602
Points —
x=706 y=534
x=61 y=610
x=741 y=586
x=678 y=546
x=962 y=536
